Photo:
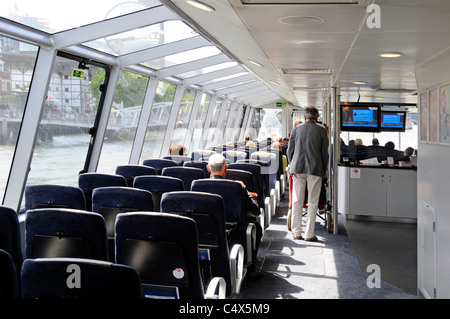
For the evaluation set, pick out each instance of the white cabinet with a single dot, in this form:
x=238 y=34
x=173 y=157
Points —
x=381 y=192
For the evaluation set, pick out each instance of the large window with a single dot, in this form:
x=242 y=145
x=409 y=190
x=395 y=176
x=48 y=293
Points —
x=200 y=122
x=68 y=114
x=123 y=121
x=159 y=117
x=184 y=113
x=17 y=61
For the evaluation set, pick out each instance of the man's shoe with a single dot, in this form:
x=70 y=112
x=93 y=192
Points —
x=298 y=237
x=314 y=238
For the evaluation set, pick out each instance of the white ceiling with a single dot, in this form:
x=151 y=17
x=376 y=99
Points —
x=342 y=42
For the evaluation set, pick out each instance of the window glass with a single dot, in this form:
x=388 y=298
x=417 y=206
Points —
x=184 y=113
x=200 y=122
x=17 y=61
x=54 y=16
x=182 y=57
x=143 y=38
x=160 y=112
x=212 y=135
x=123 y=121
x=68 y=114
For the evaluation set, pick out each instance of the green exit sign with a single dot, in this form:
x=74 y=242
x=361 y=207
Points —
x=281 y=104
x=78 y=74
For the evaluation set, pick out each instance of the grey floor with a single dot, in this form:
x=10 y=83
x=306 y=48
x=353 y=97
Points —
x=336 y=266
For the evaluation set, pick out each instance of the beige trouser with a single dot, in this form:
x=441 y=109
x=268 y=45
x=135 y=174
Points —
x=314 y=184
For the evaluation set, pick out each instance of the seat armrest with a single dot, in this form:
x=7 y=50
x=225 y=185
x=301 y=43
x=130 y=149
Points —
x=251 y=238
x=237 y=268
x=216 y=288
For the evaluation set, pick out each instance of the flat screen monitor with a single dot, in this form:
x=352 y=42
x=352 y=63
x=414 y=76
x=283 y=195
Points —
x=393 y=121
x=360 y=118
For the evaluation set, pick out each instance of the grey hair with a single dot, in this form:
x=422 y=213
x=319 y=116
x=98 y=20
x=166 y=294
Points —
x=311 y=113
x=216 y=162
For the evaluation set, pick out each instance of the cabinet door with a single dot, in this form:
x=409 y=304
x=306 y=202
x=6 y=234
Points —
x=368 y=192
x=401 y=196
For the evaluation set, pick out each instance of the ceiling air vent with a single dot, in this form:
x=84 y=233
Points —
x=397 y=91
x=309 y=89
x=307 y=71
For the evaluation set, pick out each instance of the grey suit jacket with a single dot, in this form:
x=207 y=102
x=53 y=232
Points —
x=307 y=151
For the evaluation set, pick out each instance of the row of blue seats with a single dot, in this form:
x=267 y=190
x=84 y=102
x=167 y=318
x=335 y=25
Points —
x=66 y=257
x=56 y=203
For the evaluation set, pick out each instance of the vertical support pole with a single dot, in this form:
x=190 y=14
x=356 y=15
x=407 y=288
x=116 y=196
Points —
x=336 y=156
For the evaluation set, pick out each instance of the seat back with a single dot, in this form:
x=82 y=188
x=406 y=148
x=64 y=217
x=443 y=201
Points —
x=159 y=163
x=163 y=248
x=77 y=278
x=244 y=176
x=255 y=169
x=198 y=164
x=88 y=181
x=110 y=201
x=130 y=171
x=59 y=196
x=10 y=240
x=234 y=156
x=201 y=155
x=158 y=185
x=63 y=232
x=233 y=198
x=179 y=159
x=9 y=279
x=207 y=210
x=272 y=170
x=186 y=174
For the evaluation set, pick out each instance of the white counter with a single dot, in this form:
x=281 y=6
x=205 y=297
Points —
x=382 y=192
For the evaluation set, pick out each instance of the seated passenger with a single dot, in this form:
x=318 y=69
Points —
x=407 y=153
x=217 y=166
x=390 y=151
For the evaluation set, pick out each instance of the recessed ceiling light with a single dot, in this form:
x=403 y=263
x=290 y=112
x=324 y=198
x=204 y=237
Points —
x=254 y=62
x=300 y=20
x=273 y=82
x=359 y=82
x=200 y=5
x=390 y=54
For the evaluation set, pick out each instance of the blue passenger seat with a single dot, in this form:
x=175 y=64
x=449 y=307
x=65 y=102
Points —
x=10 y=238
x=9 y=278
x=159 y=163
x=58 y=196
x=88 y=181
x=130 y=171
x=112 y=200
x=163 y=248
x=208 y=212
x=235 y=215
x=186 y=174
x=158 y=185
x=78 y=278
x=64 y=232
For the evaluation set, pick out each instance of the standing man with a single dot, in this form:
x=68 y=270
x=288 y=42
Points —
x=308 y=157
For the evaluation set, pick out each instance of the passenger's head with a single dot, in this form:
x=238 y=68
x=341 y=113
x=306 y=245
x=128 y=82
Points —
x=408 y=151
x=311 y=113
x=250 y=143
x=375 y=142
x=389 y=145
x=217 y=165
x=177 y=149
x=275 y=146
x=358 y=141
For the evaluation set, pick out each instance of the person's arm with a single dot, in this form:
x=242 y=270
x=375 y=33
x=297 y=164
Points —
x=250 y=204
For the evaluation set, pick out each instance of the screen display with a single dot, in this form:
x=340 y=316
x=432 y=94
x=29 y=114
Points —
x=360 y=118
x=393 y=121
